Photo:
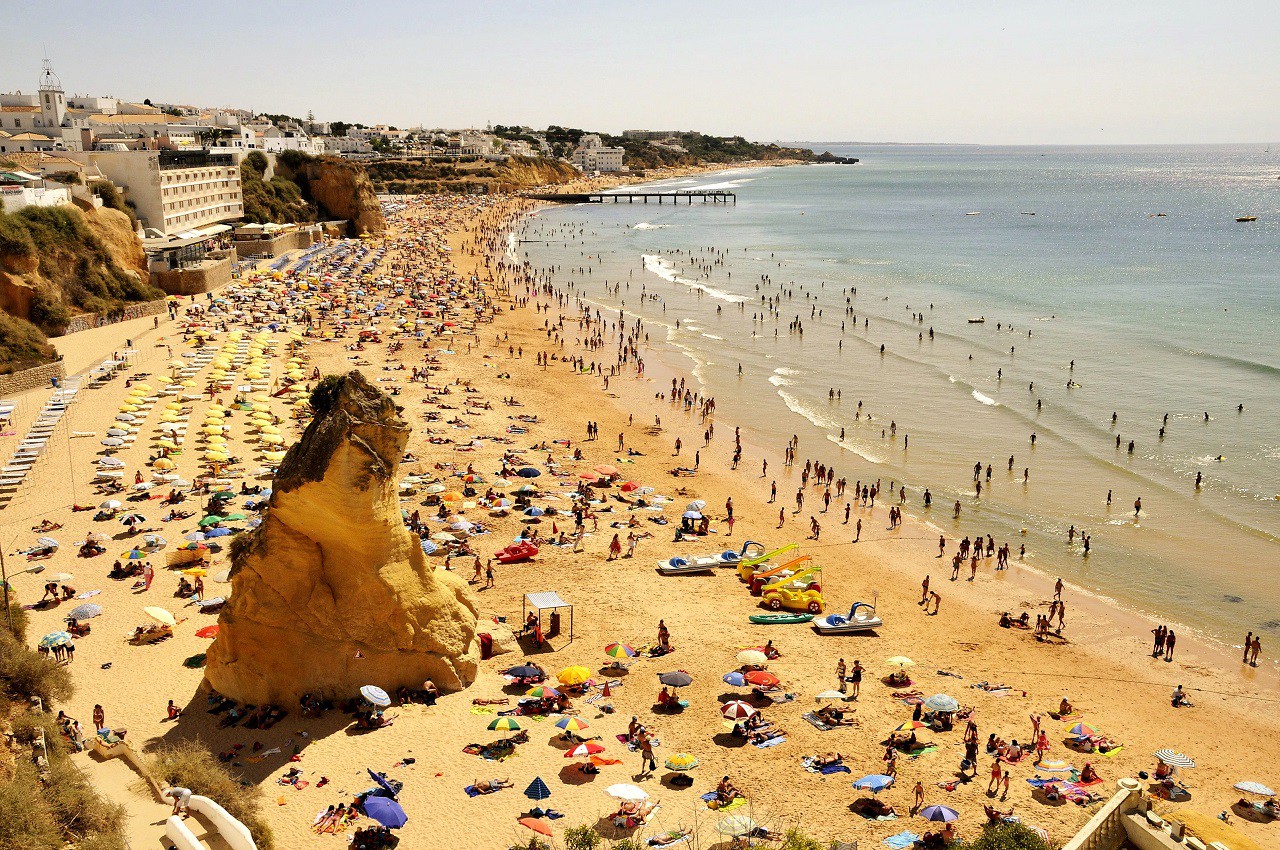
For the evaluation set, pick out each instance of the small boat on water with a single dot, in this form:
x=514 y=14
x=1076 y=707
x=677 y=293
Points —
x=974 y=213
x=1247 y=218
x=978 y=321
x=1027 y=212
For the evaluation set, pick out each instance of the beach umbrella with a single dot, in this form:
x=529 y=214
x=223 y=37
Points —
x=525 y=671
x=195 y=572
x=675 y=679
x=736 y=710
x=627 y=792
x=211 y=519
x=1254 y=788
x=590 y=748
x=831 y=695
x=528 y=472
x=572 y=724
x=134 y=555
x=696 y=505
x=381 y=779
x=47 y=542
x=691 y=515
x=735 y=679
x=536 y=825
x=111 y=463
x=752 y=656
x=628 y=486
x=117 y=432
x=537 y=789
x=525 y=490
x=1054 y=766
x=619 y=650
x=87 y=611
x=736 y=826
x=573 y=675
x=451 y=496
x=875 y=783
x=110 y=505
x=55 y=639
x=113 y=442
x=218 y=532
x=1173 y=758
x=163 y=463
x=60 y=577
x=939 y=813
x=194 y=536
x=235 y=517
x=132 y=519
x=504 y=724
x=434 y=489
x=194 y=546
x=534 y=510
x=682 y=761
x=941 y=702
x=160 y=615
x=899 y=661
x=375 y=695
x=542 y=692
x=1083 y=730
x=223 y=576
x=208 y=631
x=385 y=811
x=762 y=678
x=606 y=469
x=910 y=726
x=428 y=547
x=125 y=417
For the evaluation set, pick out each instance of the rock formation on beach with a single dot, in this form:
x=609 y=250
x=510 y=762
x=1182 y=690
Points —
x=332 y=592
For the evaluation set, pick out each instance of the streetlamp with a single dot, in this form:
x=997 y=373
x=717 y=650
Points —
x=4 y=582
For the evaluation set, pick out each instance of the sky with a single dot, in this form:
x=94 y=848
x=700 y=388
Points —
x=1026 y=72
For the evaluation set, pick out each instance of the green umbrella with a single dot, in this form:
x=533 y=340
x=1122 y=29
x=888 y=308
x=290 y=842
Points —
x=211 y=519
x=504 y=724
x=235 y=516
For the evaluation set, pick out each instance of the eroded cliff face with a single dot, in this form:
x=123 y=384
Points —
x=341 y=190
x=332 y=592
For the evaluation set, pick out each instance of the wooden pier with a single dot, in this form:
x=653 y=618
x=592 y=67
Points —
x=714 y=197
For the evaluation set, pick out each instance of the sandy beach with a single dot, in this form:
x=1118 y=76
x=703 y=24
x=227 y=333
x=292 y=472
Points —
x=1101 y=663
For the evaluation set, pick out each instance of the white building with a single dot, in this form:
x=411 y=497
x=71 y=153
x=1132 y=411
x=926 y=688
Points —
x=593 y=155
x=173 y=191
x=345 y=144
x=20 y=189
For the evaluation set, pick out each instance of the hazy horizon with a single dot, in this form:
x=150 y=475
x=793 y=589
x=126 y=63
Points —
x=1179 y=72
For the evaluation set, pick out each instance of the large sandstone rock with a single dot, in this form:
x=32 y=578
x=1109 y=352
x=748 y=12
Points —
x=342 y=190
x=332 y=592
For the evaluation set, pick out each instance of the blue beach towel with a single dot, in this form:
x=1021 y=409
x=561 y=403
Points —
x=835 y=768
x=902 y=840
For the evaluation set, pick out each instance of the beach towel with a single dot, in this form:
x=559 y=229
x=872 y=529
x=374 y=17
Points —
x=480 y=709
x=675 y=843
x=772 y=742
x=1109 y=753
x=902 y=840
x=816 y=723
x=829 y=769
x=1037 y=782
x=915 y=754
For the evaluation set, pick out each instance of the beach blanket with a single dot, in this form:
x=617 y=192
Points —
x=915 y=754
x=676 y=843
x=480 y=709
x=1111 y=752
x=825 y=770
x=902 y=840
x=816 y=723
x=772 y=742
x=909 y=697
x=1037 y=782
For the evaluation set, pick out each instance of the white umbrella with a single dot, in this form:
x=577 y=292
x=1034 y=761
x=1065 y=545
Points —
x=1173 y=758
x=47 y=541
x=125 y=417
x=627 y=792
x=117 y=432
x=194 y=536
x=113 y=442
x=110 y=505
x=375 y=695
x=144 y=486
x=737 y=826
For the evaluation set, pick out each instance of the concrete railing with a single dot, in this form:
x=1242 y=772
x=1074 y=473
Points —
x=1105 y=830
x=233 y=832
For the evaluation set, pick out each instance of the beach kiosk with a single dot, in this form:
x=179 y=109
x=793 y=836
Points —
x=531 y=609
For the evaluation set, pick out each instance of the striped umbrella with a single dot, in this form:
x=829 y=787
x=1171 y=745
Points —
x=542 y=692
x=1055 y=766
x=504 y=724
x=941 y=702
x=939 y=813
x=1173 y=758
x=619 y=650
x=537 y=789
x=572 y=724
x=590 y=748
x=1083 y=730
x=736 y=710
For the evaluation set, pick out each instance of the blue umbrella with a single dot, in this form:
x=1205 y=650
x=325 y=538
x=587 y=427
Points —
x=528 y=472
x=385 y=811
x=525 y=671
x=55 y=639
x=381 y=779
x=218 y=532
x=941 y=702
x=875 y=783
x=534 y=511
x=939 y=813
x=537 y=789
x=735 y=680
x=85 y=611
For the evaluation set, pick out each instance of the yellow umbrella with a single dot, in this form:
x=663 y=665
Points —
x=273 y=440
x=451 y=496
x=163 y=463
x=166 y=443
x=270 y=429
x=573 y=675
x=274 y=457
x=199 y=572
x=164 y=379
x=216 y=439
x=160 y=615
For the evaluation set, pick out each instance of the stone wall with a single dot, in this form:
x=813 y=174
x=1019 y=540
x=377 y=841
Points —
x=206 y=276
x=85 y=321
x=278 y=245
x=31 y=379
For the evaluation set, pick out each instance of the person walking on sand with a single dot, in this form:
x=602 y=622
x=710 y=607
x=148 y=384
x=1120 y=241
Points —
x=1137 y=507
x=1057 y=589
x=677 y=446
x=924 y=592
x=1248 y=646
x=615 y=548
x=918 y=802
x=488 y=574
x=1257 y=649
x=1169 y=640
x=857 y=531
x=648 y=764
x=993 y=784
x=942 y=545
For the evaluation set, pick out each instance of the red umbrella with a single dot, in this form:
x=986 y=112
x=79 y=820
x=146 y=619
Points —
x=628 y=486
x=763 y=678
x=736 y=710
x=537 y=826
x=207 y=631
x=590 y=748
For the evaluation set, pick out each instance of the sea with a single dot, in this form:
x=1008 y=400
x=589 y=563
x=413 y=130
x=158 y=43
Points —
x=937 y=307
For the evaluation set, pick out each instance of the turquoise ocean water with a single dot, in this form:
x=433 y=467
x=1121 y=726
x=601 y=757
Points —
x=1133 y=265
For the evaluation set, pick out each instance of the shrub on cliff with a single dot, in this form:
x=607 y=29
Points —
x=25 y=673
x=1007 y=836
x=22 y=345
x=188 y=764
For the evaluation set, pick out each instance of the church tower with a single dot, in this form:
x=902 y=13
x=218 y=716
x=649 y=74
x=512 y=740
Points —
x=53 y=102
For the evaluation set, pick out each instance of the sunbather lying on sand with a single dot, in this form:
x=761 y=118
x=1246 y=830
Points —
x=674 y=837
x=824 y=759
x=488 y=786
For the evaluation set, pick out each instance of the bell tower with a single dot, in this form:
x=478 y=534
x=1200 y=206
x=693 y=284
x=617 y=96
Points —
x=53 y=102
